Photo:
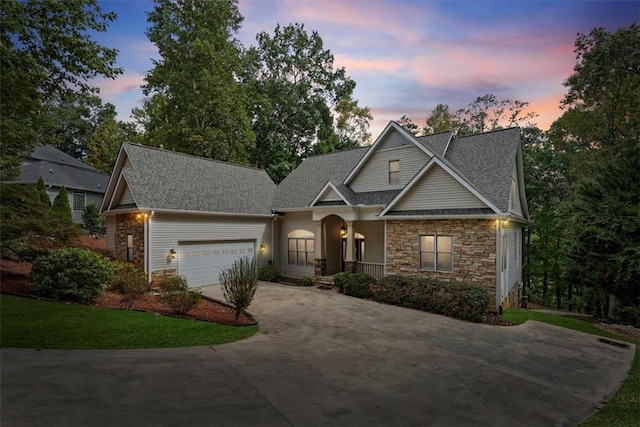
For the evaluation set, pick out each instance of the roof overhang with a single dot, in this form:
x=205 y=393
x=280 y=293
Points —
x=327 y=187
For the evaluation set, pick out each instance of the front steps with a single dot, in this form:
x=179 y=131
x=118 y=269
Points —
x=324 y=282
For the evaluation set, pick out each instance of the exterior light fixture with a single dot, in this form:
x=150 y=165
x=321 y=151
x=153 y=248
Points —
x=172 y=253
x=343 y=231
x=262 y=249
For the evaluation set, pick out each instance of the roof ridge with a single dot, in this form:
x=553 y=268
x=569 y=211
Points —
x=164 y=150
x=337 y=151
x=437 y=133
x=488 y=132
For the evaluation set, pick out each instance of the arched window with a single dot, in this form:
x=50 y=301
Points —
x=301 y=248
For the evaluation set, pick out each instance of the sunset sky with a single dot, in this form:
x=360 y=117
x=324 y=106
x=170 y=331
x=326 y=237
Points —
x=407 y=56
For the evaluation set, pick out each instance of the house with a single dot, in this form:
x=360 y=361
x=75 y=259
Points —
x=84 y=184
x=440 y=206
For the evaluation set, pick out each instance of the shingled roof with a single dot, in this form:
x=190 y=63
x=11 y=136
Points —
x=59 y=169
x=166 y=180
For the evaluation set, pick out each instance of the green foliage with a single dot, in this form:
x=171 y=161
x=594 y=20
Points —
x=175 y=292
x=629 y=315
x=358 y=285
x=408 y=125
x=61 y=225
x=129 y=281
x=440 y=120
x=339 y=279
x=268 y=273
x=307 y=281
x=23 y=217
x=71 y=274
x=104 y=145
x=46 y=51
x=197 y=104
x=94 y=223
x=30 y=323
x=456 y=299
x=239 y=283
x=43 y=196
x=487 y=113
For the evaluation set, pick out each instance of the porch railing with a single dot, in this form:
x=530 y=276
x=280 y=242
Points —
x=373 y=268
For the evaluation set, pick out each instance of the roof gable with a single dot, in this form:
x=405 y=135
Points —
x=330 y=195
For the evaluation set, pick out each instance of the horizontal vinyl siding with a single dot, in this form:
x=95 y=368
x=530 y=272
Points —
x=373 y=232
x=293 y=221
x=329 y=196
x=438 y=190
x=514 y=197
x=111 y=234
x=374 y=176
x=170 y=229
x=512 y=275
x=126 y=197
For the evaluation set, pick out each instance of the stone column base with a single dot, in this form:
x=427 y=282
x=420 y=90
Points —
x=350 y=266
x=320 y=267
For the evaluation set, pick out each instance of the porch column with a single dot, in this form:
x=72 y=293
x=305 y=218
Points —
x=321 y=259
x=349 y=260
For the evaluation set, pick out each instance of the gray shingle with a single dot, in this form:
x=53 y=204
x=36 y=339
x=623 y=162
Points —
x=303 y=184
x=436 y=143
x=161 y=179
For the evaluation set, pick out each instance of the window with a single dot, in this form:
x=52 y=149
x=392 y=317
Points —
x=79 y=200
x=129 y=247
x=436 y=253
x=394 y=172
x=302 y=251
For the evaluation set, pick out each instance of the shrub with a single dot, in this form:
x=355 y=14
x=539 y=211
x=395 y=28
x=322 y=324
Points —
x=307 y=281
x=175 y=293
x=129 y=281
x=93 y=222
x=358 y=285
x=71 y=274
x=268 y=273
x=455 y=299
x=629 y=315
x=339 y=279
x=239 y=283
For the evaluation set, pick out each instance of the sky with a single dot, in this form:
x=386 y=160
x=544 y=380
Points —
x=406 y=56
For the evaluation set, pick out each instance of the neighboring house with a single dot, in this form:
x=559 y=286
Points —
x=84 y=184
x=437 y=206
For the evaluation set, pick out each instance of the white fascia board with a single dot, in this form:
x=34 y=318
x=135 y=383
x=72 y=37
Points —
x=372 y=149
x=210 y=213
x=329 y=185
x=111 y=186
x=395 y=217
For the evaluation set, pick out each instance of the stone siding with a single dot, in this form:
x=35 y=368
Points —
x=130 y=223
x=474 y=251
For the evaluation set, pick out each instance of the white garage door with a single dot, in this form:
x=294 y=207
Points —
x=202 y=263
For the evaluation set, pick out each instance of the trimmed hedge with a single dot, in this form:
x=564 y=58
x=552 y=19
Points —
x=455 y=299
x=71 y=274
x=268 y=273
x=358 y=284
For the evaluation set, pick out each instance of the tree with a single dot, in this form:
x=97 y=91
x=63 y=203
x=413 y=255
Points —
x=104 y=145
x=23 y=217
x=93 y=222
x=408 y=125
x=488 y=113
x=61 y=223
x=600 y=132
x=440 y=120
x=43 y=196
x=197 y=104
x=295 y=92
x=352 y=124
x=46 y=50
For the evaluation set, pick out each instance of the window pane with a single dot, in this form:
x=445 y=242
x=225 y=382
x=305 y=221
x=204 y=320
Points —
x=292 y=244
x=311 y=245
x=444 y=244
x=394 y=177
x=426 y=243
x=311 y=258
x=394 y=166
x=292 y=258
x=444 y=261
x=426 y=261
x=300 y=245
x=301 y=258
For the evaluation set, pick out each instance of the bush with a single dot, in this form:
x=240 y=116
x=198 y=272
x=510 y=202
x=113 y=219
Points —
x=71 y=274
x=307 y=281
x=268 y=273
x=175 y=293
x=456 y=299
x=629 y=315
x=93 y=222
x=339 y=279
x=239 y=283
x=358 y=285
x=129 y=281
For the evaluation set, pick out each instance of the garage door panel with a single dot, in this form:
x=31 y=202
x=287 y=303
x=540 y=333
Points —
x=202 y=263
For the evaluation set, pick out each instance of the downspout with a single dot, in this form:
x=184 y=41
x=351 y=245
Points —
x=147 y=250
x=273 y=224
x=498 y=263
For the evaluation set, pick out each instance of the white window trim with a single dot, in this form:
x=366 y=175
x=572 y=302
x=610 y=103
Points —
x=73 y=200
x=394 y=172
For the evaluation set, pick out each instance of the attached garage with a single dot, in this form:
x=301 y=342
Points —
x=202 y=262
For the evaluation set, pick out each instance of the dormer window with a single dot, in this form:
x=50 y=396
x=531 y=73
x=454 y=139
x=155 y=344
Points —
x=394 y=172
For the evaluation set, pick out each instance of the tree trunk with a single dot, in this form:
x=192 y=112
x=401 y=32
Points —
x=236 y=319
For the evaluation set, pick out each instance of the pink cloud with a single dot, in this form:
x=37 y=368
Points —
x=124 y=83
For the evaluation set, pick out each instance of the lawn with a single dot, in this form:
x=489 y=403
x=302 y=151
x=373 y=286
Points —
x=623 y=409
x=30 y=323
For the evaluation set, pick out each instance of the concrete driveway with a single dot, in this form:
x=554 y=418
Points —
x=321 y=359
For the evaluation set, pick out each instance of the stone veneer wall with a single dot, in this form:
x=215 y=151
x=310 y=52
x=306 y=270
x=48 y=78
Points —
x=474 y=251
x=129 y=224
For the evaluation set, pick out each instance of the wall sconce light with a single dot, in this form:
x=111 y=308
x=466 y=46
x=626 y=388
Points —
x=172 y=253
x=262 y=249
x=343 y=231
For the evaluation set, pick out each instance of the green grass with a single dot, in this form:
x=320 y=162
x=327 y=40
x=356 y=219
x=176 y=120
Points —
x=623 y=409
x=30 y=323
